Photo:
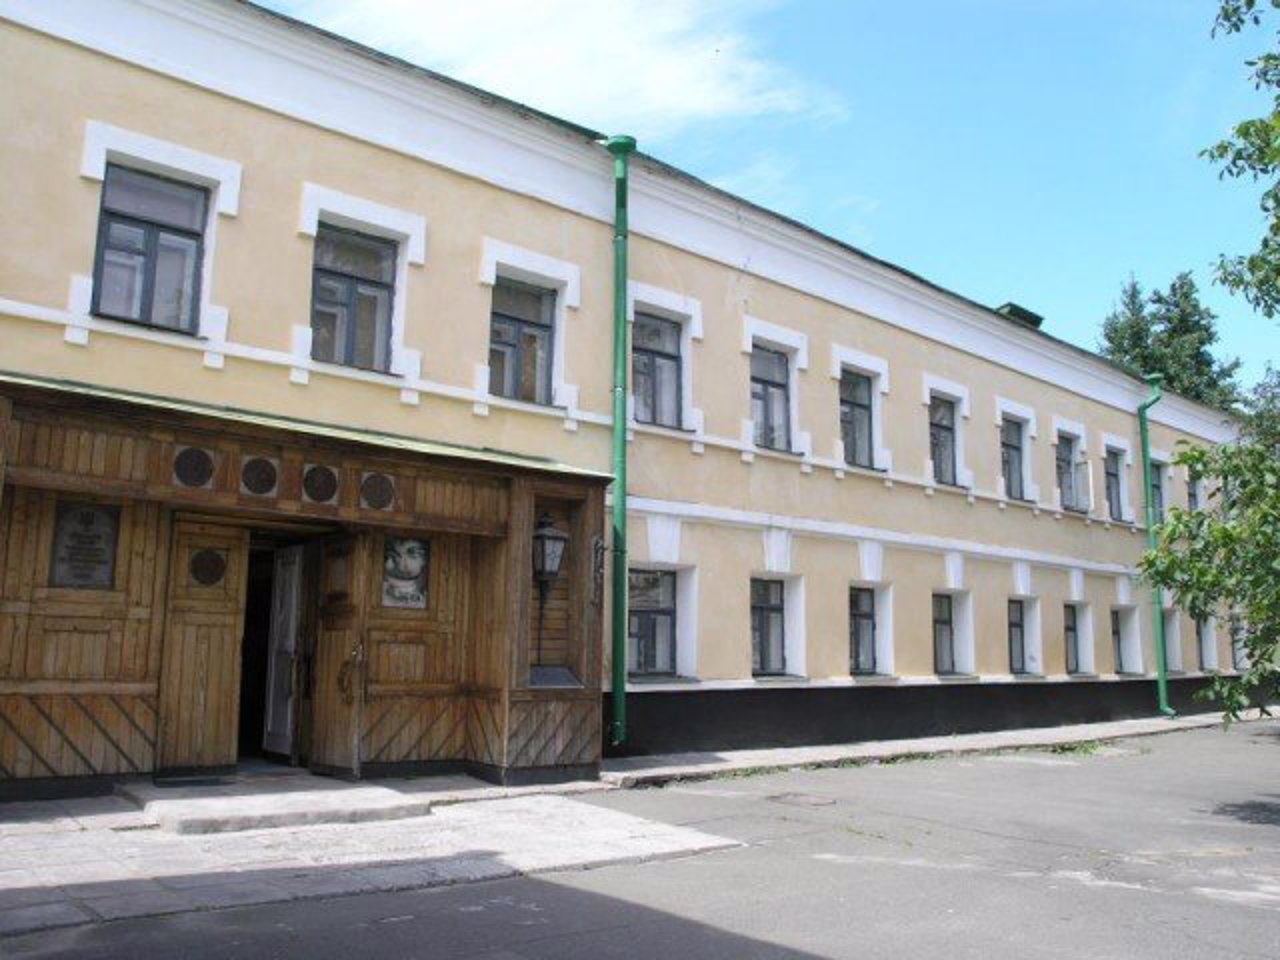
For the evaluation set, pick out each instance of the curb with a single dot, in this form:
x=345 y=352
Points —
x=689 y=768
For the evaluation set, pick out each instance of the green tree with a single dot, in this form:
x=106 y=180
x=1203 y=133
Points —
x=1252 y=151
x=1262 y=407
x=1171 y=332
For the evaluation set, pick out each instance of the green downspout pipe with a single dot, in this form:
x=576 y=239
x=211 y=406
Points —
x=621 y=147
x=1156 y=382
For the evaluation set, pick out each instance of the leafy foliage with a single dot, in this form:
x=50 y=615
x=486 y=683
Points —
x=1170 y=332
x=1223 y=560
x=1253 y=151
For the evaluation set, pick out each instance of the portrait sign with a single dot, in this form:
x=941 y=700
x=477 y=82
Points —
x=404 y=573
x=84 y=546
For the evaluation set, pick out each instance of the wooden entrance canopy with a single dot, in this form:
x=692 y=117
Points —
x=124 y=533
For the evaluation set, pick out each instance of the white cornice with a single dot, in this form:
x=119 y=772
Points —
x=251 y=56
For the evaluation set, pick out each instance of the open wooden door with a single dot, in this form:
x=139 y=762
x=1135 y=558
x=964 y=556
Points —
x=282 y=648
x=339 y=659
x=200 y=669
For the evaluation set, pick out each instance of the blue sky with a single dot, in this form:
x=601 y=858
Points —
x=1030 y=150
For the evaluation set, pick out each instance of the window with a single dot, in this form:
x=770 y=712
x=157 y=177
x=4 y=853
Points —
x=1011 y=454
x=1118 y=644
x=352 y=286
x=862 y=630
x=1071 y=636
x=767 y=628
x=1239 y=654
x=944 y=635
x=150 y=250
x=520 y=348
x=652 y=624
x=1017 y=637
x=1069 y=490
x=1193 y=493
x=1111 y=468
x=855 y=418
x=655 y=370
x=1205 y=644
x=942 y=439
x=770 y=401
x=1157 y=490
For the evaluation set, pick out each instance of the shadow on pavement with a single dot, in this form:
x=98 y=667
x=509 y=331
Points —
x=502 y=919
x=1264 y=812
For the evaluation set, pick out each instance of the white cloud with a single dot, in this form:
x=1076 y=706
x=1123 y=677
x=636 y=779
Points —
x=648 y=67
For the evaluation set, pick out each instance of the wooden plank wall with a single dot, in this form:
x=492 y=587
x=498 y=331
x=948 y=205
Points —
x=556 y=646
x=78 y=668
x=417 y=660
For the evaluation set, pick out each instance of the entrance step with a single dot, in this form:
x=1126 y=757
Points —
x=295 y=798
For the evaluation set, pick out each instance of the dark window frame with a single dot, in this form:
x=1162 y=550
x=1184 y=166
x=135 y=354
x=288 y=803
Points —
x=848 y=420
x=1157 y=489
x=1071 y=637
x=351 y=283
x=760 y=617
x=1117 y=641
x=1013 y=452
x=1113 y=481
x=653 y=355
x=867 y=618
x=550 y=295
x=1065 y=466
x=767 y=387
x=648 y=616
x=949 y=476
x=947 y=623
x=1017 y=627
x=151 y=230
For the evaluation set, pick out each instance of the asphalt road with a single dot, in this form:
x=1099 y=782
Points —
x=1163 y=847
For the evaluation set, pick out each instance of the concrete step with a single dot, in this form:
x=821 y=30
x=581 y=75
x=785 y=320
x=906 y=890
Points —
x=224 y=808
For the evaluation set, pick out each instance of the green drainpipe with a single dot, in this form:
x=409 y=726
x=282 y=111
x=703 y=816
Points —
x=621 y=147
x=1156 y=382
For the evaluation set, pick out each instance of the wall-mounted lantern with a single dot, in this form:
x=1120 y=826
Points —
x=549 y=544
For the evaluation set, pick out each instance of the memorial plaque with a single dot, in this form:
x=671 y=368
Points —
x=84 y=546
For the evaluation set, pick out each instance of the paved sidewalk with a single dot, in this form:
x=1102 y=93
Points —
x=97 y=859
x=667 y=768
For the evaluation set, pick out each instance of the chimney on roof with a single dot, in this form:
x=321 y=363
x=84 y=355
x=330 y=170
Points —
x=1015 y=312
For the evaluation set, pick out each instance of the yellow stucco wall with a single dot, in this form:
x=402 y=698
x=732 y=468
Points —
x=261 y=273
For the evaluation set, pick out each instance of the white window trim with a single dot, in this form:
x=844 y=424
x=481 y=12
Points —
x=1162 y=462
x=883 y=600
x=1086 y=661
x=961 y=631
x=932 y=385
x=506 y=260
x=687 y=312
x=686 y=612
x=324 y=205
x=1027 y=417
x=1131 y=640
x=795 y=345
x=103 y=144
x=1076 y=430
x=1173 y=639
x=1208 y=651
x=877 y=368
x=1032 y=635
x=794 y=644
x=1112 y=441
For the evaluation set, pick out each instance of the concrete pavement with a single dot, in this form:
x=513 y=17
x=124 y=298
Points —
x=1148 y=848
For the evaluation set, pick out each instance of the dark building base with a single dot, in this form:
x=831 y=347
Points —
x=802 y=715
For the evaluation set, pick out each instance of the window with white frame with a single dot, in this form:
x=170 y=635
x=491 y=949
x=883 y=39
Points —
x=1073 y=494
x=1126 y=643
x=651 y=631
x=1113 y=472
x=944 y=634
x=771 y=397
x=1016 y=618
x=857 y=423
x=352 y=292
x=1071 y=637
x=768 y=627
x=1157 y=490
x=150 y=249
x=862 y=630
x=521 y=328
x=942 y=439
x=1207 y=644
x=656 y=369
x=1013 y=457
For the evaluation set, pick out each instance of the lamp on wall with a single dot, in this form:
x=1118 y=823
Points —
x=548 y=552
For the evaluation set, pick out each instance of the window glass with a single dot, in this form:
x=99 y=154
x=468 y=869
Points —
x=175 y=281
x=156 y=199
x=769 y=399
x=1011 y=458
x=351 y=299
x=1071 y=637
x=656 y=333
x=944 y=658
x=1065 y=463
x=1017 y=638
x=520 y=332
x=942 y=439
x=1111 y=467
x=652 y=621
x=855 y=418
x=767 y=627
x=655 y=371
x=862 y=630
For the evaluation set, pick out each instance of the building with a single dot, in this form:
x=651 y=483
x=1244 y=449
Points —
x=273 y=306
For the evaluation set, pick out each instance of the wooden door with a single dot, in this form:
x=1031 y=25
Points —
x=282 y=647
x=339 y=658
x=200 y=663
